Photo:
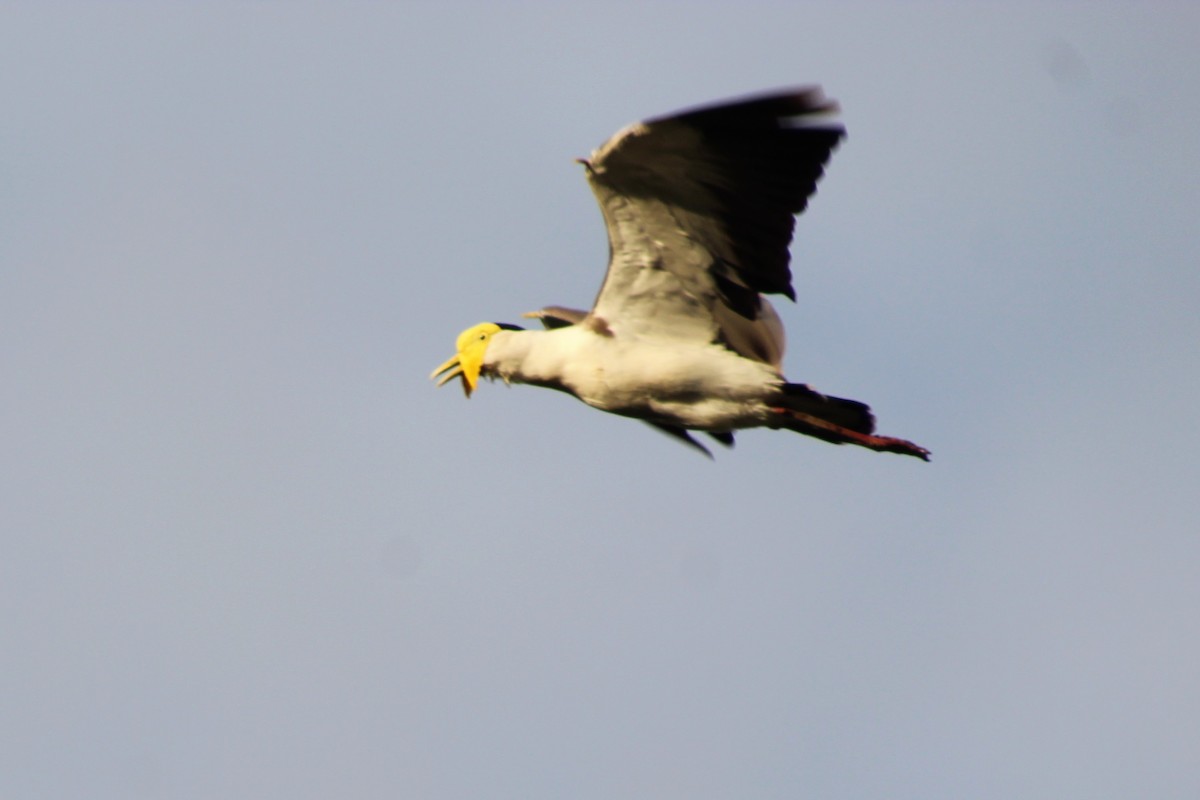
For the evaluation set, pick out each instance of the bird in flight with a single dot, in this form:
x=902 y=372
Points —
x=699 y=208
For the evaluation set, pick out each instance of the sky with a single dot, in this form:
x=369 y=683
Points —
x=247 y=549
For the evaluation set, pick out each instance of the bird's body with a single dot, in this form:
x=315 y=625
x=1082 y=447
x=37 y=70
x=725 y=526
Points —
x=699 y=386
x=699 y=208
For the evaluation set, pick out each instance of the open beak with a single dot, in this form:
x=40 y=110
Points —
x=450 y=370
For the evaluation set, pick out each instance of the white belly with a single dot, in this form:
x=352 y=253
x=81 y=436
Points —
x=703 y=387
x=699 y=386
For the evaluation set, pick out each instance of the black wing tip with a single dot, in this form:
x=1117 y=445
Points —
x=681 y=435
x=773 y=105
x=724 y=437
x=775 y=151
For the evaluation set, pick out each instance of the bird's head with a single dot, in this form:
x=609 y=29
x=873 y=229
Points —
x=471 y=344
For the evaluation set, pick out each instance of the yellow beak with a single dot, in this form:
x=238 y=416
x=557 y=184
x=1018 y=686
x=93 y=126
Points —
x=453 y=368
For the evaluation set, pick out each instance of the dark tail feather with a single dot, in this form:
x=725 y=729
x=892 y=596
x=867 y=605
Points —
x=836 y=420
x=849 y=414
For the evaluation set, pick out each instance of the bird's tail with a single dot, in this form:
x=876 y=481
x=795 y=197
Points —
x=836 y=420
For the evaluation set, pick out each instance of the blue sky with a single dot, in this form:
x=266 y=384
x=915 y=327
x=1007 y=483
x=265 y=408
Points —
x=250 y=551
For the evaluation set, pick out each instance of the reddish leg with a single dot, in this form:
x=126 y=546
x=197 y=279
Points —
x=815 y=426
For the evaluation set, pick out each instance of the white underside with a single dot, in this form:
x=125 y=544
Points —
x=698 y=386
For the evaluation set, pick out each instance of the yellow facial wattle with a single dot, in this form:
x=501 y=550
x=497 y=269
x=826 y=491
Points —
x=472 y=345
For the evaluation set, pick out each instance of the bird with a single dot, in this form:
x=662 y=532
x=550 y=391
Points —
x=700 y=207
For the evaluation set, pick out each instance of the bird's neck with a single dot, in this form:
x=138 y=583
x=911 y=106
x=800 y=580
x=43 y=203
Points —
x=533 y=357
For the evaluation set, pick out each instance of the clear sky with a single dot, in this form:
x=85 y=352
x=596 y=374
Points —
x=247 y=550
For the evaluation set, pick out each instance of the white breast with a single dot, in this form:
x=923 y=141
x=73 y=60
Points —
x=694 y=385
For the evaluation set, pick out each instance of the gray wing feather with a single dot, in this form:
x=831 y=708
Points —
x=761 y=338
x=553 y=317
x=700 y=208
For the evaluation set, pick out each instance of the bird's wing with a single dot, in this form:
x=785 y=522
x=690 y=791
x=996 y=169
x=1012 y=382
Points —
x=700 y=208
x=553 y=317
x=682 y=435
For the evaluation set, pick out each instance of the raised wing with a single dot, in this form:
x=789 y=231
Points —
x=700 y=208
x=553 y=317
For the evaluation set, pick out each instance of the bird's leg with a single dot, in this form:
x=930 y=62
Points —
x=815 y=426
